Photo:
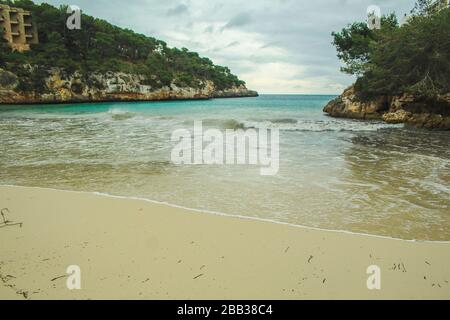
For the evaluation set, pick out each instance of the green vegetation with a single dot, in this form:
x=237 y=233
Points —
x=100 y=47
x=412 y=58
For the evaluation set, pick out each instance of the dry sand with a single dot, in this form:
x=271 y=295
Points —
x=136 y=249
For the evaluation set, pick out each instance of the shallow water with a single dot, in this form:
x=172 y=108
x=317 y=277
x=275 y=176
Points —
x=339 y=174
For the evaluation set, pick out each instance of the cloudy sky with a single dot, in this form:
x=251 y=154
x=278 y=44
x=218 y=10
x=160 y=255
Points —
x=276 y=46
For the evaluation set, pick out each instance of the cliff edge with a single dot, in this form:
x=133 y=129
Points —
x=102 y=87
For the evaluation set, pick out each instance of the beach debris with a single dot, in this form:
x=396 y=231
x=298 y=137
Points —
x=23 y=293
x=202 y=267
x=6 y=222
x=60 y=277
x=399 y=267
x=287 y=249
x=6 y=278
x=200 y=275
x=427 y=263
x=310 y=258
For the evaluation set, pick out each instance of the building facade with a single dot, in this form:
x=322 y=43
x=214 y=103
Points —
x=18 y=27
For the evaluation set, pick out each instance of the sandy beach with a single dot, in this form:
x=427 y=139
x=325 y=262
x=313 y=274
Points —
x=133 y=249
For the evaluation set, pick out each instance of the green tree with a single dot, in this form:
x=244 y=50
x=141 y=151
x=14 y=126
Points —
x=413 y=58
x=423 y=7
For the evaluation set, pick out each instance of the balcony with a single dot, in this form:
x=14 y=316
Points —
x=14 y=21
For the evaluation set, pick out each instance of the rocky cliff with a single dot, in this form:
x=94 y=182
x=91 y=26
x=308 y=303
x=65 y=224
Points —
x=406 y=109
x=61 y=88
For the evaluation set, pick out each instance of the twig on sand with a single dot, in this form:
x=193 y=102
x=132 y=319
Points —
x=60 y=277
x=198 y=276
x=6 y=222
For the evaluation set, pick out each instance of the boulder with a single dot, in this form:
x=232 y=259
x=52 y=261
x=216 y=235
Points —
x=399 y=116
x=348 y=105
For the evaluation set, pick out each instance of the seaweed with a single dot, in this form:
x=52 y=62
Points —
x=6 y=222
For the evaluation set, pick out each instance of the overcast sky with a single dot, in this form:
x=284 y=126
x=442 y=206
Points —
x=276 y=46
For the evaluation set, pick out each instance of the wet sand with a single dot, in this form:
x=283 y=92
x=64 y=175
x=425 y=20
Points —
x=135 y=249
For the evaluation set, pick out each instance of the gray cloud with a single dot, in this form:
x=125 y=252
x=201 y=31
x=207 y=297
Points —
x=209 y=29
x=177 y=10
x=239 y=20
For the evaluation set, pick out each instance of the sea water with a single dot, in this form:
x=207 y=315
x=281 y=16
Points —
x=339 y=174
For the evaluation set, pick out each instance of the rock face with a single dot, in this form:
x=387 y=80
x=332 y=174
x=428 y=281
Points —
x=399 y=116
x=347 y=105
x=110 y=86
x=397 y=109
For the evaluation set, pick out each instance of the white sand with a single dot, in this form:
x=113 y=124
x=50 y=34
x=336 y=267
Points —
x=135 y=249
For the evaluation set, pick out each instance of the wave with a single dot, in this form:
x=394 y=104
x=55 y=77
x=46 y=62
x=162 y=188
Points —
x=224 y=124
x=303 y=125
x=118 y=115
x=297 y=125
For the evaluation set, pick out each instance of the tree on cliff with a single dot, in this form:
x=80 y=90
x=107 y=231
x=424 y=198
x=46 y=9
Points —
x=354 y=42
x=100 y=47
x=413 y=58
x=423 y=7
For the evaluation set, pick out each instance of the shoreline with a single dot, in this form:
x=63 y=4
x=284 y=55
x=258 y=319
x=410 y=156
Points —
x=135 y=249
x=232 y=216
x=114 y=100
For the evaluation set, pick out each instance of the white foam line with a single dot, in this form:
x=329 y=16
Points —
x=216 y=213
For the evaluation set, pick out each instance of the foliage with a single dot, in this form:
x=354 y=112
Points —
x=423 y=7
x=354 y=43
x=413 y=58
x=101 y=47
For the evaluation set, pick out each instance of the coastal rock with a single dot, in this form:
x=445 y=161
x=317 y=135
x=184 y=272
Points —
x=429 y=121
x=235 y=92
x=110 y=86
x=348 y=105
x=399 y=116
x=420 y=113
x=413 y=111
x=8 y=80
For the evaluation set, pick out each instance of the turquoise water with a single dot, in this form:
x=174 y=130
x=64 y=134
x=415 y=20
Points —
x=341 y=174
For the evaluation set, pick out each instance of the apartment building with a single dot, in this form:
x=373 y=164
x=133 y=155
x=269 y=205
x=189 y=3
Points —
x=18 y=27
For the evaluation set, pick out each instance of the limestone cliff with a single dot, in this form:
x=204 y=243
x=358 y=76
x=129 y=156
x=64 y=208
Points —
x=61 y=88
x=406 y=109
